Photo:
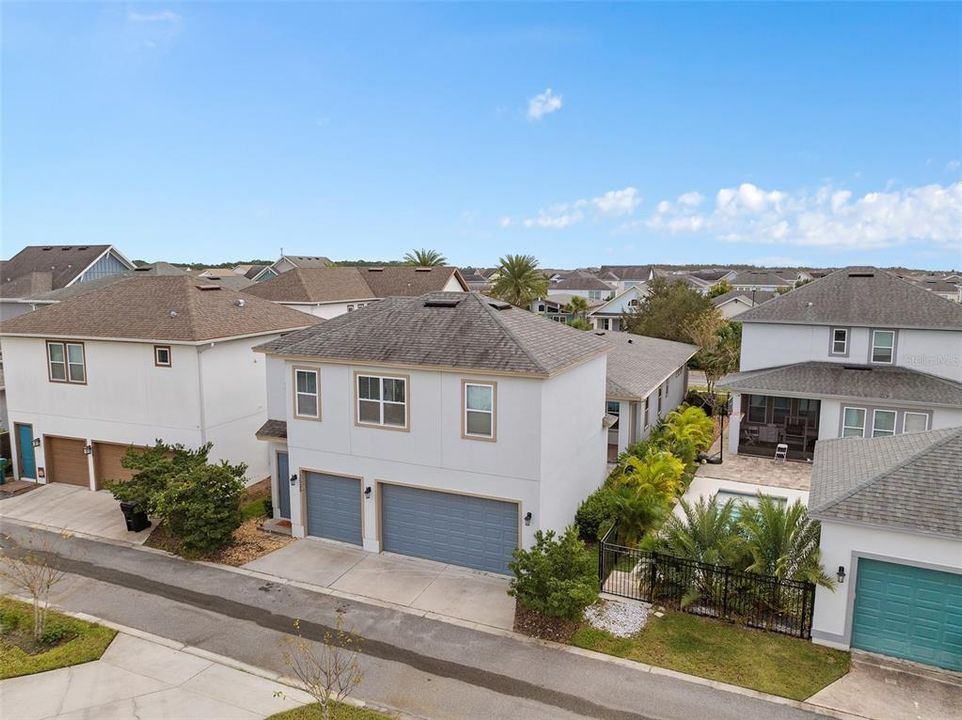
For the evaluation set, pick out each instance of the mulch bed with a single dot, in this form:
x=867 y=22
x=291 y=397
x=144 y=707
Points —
x=533 y=623
x=250 y=543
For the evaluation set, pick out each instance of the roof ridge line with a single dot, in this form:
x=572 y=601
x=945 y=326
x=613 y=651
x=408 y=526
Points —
x=952 y=433
x=514 y=338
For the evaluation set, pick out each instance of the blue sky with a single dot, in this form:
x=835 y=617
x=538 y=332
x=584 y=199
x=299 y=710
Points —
x=583 y=134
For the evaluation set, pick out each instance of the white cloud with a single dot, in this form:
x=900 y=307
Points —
x=162 y=16
x=543 y=104
x=827 y=217
x=504 y=221
x=614 y=203
x=953 y=165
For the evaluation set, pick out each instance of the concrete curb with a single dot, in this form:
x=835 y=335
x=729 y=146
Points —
x=492 y=630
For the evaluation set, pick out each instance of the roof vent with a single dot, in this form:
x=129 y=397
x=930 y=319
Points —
x=208 y=287
x=46 y=249
x=422 y=269
x=499 y=305
x=173 y=313
x=864 y=368
x=861 y=274
x=82 y=248
x=441 y=302
x=239 y=302
x=375 y=269
x=143 y=268
x=65 y=248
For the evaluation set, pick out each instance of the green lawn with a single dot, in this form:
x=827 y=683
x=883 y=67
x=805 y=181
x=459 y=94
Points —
x=764 y=661
x=253 y=509
x=342 y=712
x=87 y=641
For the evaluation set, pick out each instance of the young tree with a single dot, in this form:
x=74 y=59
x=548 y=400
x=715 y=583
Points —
x=519 y=281
x=424 y=258
x=329 y=674
x=719 y=288
x=667 y=311
x=556 y=577
x=35 y=570
x=720 y=346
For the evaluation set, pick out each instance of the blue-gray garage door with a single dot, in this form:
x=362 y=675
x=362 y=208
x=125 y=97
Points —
x=909 y=612
x=333 y=507
x=457 y=529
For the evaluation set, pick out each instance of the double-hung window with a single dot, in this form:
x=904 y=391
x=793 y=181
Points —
x=883 y=423
x=853 y=422
x=382 y=401
x=647 y=403
x=883 y=346
x=781 y=409
x=757 y=408
x=479 y=408
x=913 y=422
x=307 y=394
x=66 y=362
x=839 y=341
x=659 y=402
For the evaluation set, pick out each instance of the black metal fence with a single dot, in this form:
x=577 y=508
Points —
x=758 y=601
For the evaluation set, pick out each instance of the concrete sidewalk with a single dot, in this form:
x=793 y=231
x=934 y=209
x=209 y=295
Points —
x=140 y=678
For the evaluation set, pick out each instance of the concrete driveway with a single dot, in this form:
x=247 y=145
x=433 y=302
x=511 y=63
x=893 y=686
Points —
x=433 y=587
x=885 y=689
x=75 y=509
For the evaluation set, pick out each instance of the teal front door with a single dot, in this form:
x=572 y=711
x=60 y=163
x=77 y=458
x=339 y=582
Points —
x=909 y=612
x=25 y=452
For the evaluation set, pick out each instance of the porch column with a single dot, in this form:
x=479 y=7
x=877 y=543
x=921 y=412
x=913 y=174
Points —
x=734 y=423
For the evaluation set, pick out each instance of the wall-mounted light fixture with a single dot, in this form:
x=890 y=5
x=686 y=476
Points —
x=36 y=442
x=527 y=518
x=840 y=574
x=293 y=480
x=88 y=450
x=367 y=492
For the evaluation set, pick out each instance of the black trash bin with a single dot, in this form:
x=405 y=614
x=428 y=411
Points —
x=136 y=519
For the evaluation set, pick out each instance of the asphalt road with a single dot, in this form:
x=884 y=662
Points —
x=422 y=667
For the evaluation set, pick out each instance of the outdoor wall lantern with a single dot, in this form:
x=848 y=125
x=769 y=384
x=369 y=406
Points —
x=36 y=442
x=88 y=450
x=840 y=574
x=527 y=519
x=293 y=480
x=367 y=492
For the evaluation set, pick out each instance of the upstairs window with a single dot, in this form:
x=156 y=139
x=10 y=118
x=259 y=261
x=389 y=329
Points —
x=883 y=346
x=883 y=423
x=382 y=401
x=853 y=422
x=307 y=397
x=479 y=410
x=757 y=408
x=915 y=422
x=66 y=363
x=839 y=341
x=162 y=356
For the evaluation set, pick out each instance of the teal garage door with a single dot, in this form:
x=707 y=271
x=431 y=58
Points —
x=909 y=612
x=457 y=529
x=333 y=507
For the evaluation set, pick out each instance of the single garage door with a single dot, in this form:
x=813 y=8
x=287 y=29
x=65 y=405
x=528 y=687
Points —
x=66 y=461
x=456 y=529
x=909 y=612
x=333 y=507
x=107 y=463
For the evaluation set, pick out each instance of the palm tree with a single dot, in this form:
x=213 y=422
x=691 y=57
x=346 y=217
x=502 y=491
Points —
x=691 y=424
x=707 y=532
x=637 y=511
x=424 y=258
x=579 y=324
x=578 y=306
x=658 y=469
x=519 y=280
x=783 y=541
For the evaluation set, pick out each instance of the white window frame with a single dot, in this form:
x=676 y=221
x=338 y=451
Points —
x=381 y=401
x=891 y=349
x=924 y=416
x=170 y=356
x=835 y=341
x=68 y=375
x=316 y=394
x=493 y=387
x=854 y=427
x=895 y=422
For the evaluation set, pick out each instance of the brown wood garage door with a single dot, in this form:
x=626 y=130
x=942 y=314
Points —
x=66 y=462
x=107 y=467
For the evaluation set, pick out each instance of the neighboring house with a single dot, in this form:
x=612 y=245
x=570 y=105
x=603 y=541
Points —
x=475 y=280
x=558 y=307
x=331 y=291
x=949 y=289
x=891 y=515
x=765 y=280
x=448 y=426
x=647 y=378
x=735 y=302
x=138 y=359
x=628 y=275
x=41 y=268
x=609 y=315
x=291 y=262
x=858 y=353
x=583 y=284
x=713 y=276
x=694 y=282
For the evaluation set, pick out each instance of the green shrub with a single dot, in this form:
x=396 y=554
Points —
x=595 y=514
x=556 y=577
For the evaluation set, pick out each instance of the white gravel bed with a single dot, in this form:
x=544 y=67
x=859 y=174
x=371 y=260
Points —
x=619 y=617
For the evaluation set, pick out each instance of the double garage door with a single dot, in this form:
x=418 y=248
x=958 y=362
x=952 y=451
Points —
x=472 y=532
x=909 y=612
x=67 y=462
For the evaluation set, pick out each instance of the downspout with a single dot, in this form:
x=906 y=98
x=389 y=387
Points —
x=200 y=389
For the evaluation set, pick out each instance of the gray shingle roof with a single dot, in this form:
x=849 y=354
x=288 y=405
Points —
x=273 y=429
x=580 y=281
x=166 y=307
x=639 y=364
x=63 y=262
x=760 y=296
x=826 y=379
x=910 y=482
x=861 y=296
x=763 y=277
x=628 y=272
x=332 y=284
x=471 y=334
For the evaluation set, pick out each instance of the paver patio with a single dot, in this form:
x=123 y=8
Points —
x=758 y=470
x=411 y=582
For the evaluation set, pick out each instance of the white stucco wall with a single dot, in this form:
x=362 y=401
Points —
x=326 y=310
x=734 y=307
x=843 y=544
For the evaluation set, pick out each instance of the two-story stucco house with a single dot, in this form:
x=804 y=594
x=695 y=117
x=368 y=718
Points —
x=448 y=426
x=858 y=353
x=140 y=359
x=609 y=315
